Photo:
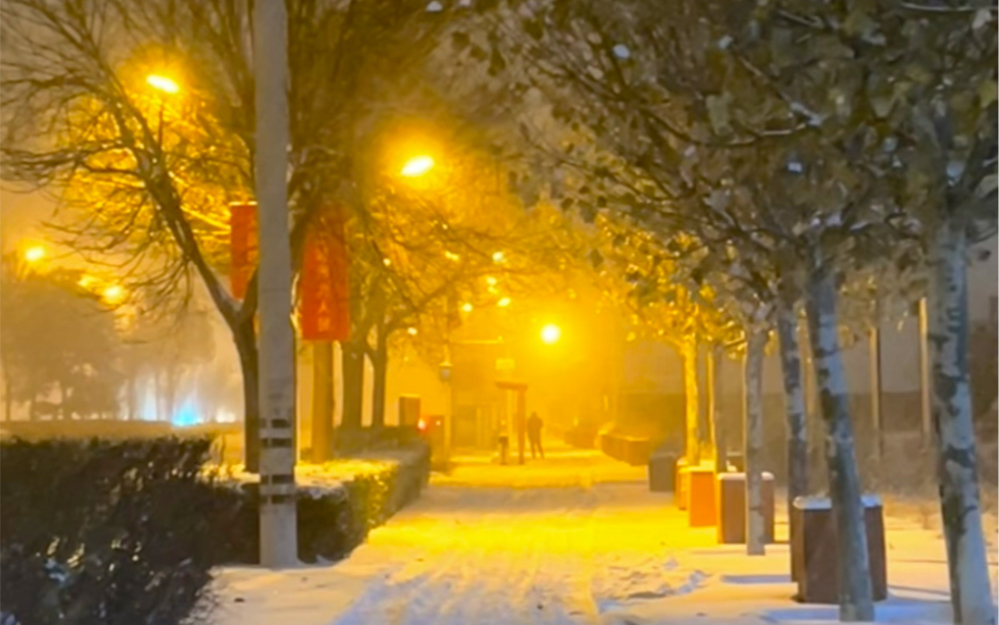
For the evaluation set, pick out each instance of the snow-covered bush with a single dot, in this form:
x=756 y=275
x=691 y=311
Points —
x=100 y=532
x=338 y=503
x=105 y=532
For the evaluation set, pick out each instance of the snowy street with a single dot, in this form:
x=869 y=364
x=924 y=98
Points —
x=587 y=544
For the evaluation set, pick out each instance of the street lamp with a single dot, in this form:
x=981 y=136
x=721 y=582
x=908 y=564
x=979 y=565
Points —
x=162 y=83
x=34 y=253
x=114 y=294
x=550 y=334
x=417 y=166
x=165 y=85
x=504 y=302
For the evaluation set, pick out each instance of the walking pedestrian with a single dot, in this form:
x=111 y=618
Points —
x=534 y=435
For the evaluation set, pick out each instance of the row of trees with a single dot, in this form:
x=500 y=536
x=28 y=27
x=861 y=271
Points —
x=773 y=155
x=57 y=342
x=70 y=351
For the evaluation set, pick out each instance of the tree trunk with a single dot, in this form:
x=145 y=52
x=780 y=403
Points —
x=8 y=399
x=971 y=594
x=62 y=400
x=814 y=425
x=855 y=596
x=794 y=410
x=246 y=347
x=352 y=368
x=755 y=539
x=130 y=398
x=705 y=407
x=158 y=394
x=170 y=391
x=874 y=365
x=692 y=447
x=380 y=366
x=322 y=401
x=720 y=442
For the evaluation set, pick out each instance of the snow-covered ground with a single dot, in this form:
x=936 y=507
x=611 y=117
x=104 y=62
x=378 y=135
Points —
x=568 y=540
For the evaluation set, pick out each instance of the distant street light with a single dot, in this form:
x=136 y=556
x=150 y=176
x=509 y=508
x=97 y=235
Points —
x=504 y=302
x=499 y=257
x=114 y=294
x=34 y=253
x=162 y=83
x=466 y=307
x=550 y=334
x=417 y=166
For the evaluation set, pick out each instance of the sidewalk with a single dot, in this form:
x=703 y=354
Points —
x=563 y=466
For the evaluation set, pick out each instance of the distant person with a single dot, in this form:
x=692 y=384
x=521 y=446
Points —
x=534 y=435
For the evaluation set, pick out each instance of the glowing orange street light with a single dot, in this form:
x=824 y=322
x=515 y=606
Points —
x=550 y=334
x=466 y=307
x=114 y=294
x=504 y=302
x=34 y=253
x=417 y=166
x=162 y=83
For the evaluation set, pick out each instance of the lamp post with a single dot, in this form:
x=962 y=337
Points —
x=164 y=85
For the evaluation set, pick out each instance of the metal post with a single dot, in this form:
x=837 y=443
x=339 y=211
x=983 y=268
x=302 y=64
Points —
x=924 y=375
x=278 y=537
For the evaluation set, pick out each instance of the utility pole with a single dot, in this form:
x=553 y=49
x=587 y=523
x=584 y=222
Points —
x=278 y=536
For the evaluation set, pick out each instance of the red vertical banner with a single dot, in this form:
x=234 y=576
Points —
x=242 y=246
x=324 y=304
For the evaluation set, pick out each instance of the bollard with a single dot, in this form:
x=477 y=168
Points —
x=504 y=442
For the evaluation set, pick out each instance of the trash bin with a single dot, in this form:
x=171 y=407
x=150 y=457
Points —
x=736 y=460
x=815 y=551
x=662 y=471
x=732 y=508
x=700 y=495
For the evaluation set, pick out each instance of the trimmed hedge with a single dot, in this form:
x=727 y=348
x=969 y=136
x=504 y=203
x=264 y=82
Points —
x=127 y=532
x=105 y=532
